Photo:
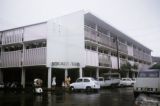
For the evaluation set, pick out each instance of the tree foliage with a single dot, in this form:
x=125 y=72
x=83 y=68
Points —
x=128 y=67
x=156 y=66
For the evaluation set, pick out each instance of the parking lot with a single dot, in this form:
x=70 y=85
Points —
x=106 y=97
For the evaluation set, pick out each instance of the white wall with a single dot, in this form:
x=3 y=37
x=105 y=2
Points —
x=130 y=50
x=91 y=58
x=65 y=40
x=114 y=62
x=142 y=67
x=38 y=31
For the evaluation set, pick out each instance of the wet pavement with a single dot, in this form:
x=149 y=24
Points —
x=107 y=97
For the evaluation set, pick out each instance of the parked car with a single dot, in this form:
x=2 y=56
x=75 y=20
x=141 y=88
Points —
x=1 y=85
x=109 y=79
x=106 y=82
x=147 y=81
x=127 y=82
x=85 y=83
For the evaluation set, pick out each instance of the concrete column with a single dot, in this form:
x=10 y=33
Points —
x=97 y=72
x=49 y=77
x=66 y=73
x=133 y=74
x=1 y=76
x=80 y=72
x=23 y=77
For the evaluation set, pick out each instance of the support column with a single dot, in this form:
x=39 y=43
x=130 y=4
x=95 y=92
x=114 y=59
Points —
x=49 y=77
x=23 y=77
x=1 y=76
x=66 y=73
x=97 y=72
x=80 y=72
x=133 y=74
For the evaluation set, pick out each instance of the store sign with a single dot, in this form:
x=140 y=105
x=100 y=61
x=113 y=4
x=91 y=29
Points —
x=65 y=64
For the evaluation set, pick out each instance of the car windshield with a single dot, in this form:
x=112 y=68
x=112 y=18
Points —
x=92 y=79
x=79 y=80
x=153 y=74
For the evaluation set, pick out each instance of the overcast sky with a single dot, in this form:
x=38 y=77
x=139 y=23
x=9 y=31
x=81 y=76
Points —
x=139 y=19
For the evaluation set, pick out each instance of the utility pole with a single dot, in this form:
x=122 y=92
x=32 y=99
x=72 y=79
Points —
x=117 y=47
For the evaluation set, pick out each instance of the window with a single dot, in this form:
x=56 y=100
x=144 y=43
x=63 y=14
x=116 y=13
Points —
x=86 y=80
x=149 y=74
x=79 y=80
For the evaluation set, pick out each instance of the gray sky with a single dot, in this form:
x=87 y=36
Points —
x=139 y=19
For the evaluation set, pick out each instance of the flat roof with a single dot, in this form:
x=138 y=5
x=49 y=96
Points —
x=23 y=26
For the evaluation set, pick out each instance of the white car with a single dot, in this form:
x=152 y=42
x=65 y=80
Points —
x=1 y=85
x=127 y=82
x=85 y=83
x=108 y=82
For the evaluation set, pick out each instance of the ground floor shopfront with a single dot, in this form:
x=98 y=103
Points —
x=26 y=75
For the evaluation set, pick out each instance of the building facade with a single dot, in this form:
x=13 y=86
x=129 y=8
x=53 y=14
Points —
x=78 y=44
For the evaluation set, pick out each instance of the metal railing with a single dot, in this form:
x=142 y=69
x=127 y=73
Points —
x=11 y=59
x=104 y=60
x=12 y=36
x=36 y=56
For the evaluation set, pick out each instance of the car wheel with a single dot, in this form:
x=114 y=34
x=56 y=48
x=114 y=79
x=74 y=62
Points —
x=71 y=88
x=136 y=94
x=88 y=89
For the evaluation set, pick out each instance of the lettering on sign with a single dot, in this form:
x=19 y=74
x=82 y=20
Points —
x=67 y=64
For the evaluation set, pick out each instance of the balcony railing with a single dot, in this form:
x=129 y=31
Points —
x=35 y=56
x=113 y=44
x=104 y=60
x=123 y=48
x=12 y=36
x=11 y=59
x=90 y=34
x=122 y=62
x=104 y=39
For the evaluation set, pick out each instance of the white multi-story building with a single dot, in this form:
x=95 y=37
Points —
x=78 y=44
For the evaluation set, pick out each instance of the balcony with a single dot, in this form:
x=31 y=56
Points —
x=123 y=48
x=122 y=62
x=11 y=59
x=34 y=56
x=91 y=58
x=104 y=39
x=90 y=34
x=12 y=36
x=104 y=60
x=136 y=53
x=113 y=44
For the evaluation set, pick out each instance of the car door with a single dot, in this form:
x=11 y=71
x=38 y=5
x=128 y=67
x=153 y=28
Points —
x=86 y=82
x=78 y=84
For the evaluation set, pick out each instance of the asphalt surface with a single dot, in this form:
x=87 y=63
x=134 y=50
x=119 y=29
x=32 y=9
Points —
x=107 y=97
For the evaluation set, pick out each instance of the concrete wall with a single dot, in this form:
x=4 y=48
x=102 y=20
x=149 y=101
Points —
x=65 y=41
x=91 y=58
x=35 y=32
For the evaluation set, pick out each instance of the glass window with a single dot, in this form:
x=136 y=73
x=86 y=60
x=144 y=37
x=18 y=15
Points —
x=153 y=74
x=100 y=79
x=79 y=80
x=86 y=80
